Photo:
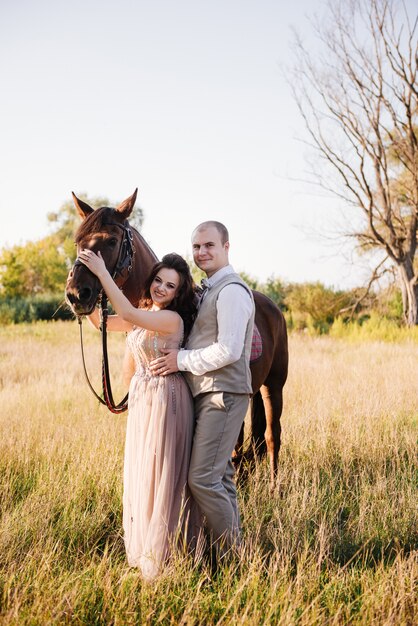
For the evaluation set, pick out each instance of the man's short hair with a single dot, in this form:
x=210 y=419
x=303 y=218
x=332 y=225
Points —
x=222 y=230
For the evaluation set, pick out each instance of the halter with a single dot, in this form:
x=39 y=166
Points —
x=123 y=265
x=126 y=254
x=120 y=275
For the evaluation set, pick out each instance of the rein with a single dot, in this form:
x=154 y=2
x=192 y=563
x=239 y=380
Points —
x=122 y=270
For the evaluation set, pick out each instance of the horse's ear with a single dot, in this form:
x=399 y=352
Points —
x=83 y=209
x=125 y=207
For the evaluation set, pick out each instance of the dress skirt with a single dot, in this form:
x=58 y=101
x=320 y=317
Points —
x=158 y=512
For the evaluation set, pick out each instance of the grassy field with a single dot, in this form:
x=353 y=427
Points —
x=337 y=543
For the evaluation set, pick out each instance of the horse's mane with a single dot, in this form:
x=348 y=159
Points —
x=95 y=221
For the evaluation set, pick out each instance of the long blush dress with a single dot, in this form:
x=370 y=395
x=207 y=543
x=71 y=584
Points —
x=158 y=511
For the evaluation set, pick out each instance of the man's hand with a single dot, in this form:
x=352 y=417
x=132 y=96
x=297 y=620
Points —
x=165 y=365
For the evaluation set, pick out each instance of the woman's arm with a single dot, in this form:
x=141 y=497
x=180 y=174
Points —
x=161 y=321
x=114 y=322
x=94 y=318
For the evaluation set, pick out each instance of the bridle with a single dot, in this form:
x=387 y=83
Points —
x=120 y=274
x=123 y=265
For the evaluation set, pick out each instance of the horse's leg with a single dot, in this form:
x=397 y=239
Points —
x=237 y=453
x=258 y=427
x=273 y=405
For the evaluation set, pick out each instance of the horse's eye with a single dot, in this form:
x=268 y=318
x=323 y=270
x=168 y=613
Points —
x=112 y=242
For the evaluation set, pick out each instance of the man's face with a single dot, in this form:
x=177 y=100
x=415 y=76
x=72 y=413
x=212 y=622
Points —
x=209 y=253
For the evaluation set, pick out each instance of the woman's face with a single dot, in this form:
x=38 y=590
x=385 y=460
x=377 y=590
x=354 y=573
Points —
x=164 y=287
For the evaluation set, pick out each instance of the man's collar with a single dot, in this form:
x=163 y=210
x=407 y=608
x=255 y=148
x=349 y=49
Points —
x=217 y=276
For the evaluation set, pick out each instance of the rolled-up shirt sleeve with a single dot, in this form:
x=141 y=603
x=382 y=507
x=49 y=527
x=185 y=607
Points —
x=234 y=309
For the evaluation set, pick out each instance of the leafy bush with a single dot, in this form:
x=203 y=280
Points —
x=31 y=309
x=373 y=327
x=276 y=290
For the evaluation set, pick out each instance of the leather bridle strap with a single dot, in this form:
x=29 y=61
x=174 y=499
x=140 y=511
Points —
x=122 y=269
x=125 y=256
x=107 y=398
x=80 y=324
x=106 y=386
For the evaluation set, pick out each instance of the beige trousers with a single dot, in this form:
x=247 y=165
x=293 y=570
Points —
x=219 y=417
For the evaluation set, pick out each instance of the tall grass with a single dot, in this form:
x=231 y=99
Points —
x=335 y=544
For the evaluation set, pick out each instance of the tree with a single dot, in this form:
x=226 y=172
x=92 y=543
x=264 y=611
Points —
x=276 y=290
x=38 y=267
x=315 y=304
x=359 y=102
x=249 y=280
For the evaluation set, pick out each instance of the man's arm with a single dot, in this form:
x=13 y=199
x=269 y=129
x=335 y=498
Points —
x=234 y=309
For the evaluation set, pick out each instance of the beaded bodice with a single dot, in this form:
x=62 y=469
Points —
x=146 y=345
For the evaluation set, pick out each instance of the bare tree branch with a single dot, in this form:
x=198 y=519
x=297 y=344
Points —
x=376 y=275
x=359 y=103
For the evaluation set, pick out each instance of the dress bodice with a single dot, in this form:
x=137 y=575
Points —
x=146 y=345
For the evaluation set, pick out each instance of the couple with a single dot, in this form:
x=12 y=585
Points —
x=178 y=449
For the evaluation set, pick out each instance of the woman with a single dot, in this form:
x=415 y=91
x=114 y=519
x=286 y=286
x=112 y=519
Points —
x=157 y=508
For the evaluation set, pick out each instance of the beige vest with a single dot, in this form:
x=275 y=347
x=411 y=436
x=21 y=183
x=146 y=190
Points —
x=235 y=377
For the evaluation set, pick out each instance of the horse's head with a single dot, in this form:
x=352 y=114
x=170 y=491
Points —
x=105 y=230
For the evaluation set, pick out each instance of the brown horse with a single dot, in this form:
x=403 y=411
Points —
x=130 y=259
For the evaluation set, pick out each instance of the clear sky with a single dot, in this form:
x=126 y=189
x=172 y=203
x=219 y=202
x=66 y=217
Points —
x=184 y=99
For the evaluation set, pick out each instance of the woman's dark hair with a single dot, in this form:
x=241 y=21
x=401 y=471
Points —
x=185 y=301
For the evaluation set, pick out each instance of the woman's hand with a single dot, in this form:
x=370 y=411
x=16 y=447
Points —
x=93 y=261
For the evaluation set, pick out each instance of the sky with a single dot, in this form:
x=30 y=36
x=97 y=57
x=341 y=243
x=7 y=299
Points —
x=184 y=99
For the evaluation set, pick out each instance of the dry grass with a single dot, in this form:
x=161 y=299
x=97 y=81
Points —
x=336 y=544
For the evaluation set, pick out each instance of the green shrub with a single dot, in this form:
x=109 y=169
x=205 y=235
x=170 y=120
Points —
x=31 y=309
x=374 y=327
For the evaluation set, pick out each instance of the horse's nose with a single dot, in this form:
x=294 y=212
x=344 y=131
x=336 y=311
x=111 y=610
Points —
x=85 y=294
x=70 y=297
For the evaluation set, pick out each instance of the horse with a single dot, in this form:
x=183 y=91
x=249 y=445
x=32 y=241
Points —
x=130 y=259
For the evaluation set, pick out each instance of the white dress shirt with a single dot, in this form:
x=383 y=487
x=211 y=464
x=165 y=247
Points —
x=234 y=309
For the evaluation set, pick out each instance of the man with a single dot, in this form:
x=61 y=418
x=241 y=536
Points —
x=216 y=363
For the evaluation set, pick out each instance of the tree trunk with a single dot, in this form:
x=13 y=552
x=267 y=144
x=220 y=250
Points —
x=409 y=289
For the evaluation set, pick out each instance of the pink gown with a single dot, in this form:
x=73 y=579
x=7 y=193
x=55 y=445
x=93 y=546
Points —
x=158 y=511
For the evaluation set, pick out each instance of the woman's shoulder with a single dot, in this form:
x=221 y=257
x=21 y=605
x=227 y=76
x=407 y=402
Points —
x=179 y=322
